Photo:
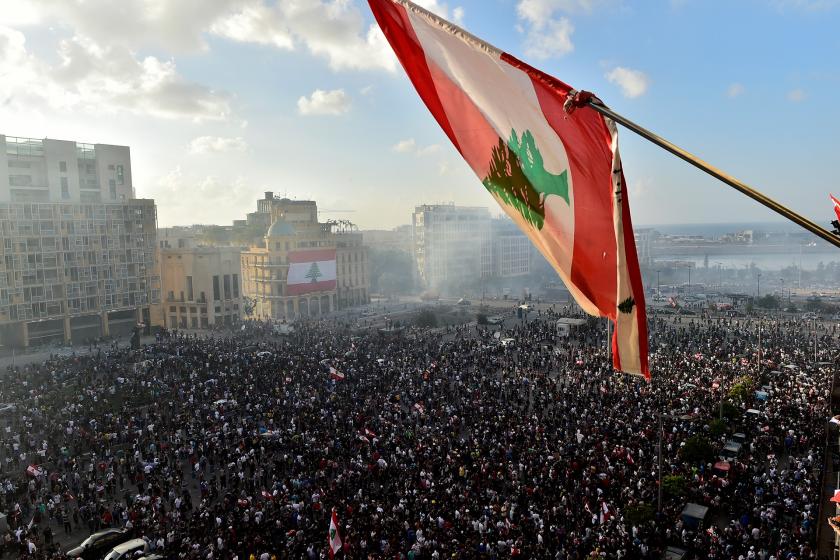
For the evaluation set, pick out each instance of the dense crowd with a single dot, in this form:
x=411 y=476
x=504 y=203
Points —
x=436 y=444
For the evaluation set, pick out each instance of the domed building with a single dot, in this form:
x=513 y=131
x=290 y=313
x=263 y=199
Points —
x=305 y=268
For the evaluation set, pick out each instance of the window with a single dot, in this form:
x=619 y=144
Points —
x=227 y=286
x=65 y=188
x=236 y=286
x=189 y=288
x=62 y=166
x=20 y=164
x=216 y=288
x=112 y=187
x=120 y=175
x=20 y=180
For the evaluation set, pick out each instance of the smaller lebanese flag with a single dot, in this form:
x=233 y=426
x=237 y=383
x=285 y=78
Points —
x=836 y=205
x=34 y=471
x=369 y=432
x=836 y=497
x=333 y=537
x=419 y=407
x=335 y=374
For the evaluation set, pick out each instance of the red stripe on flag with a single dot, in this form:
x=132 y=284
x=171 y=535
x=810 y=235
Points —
x=309 y=287
x=311 y=255
x=635 y=278
x=394 y=22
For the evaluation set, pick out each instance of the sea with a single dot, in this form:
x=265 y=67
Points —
x=804 y=249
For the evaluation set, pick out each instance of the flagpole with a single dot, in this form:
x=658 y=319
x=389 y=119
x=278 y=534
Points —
x=743 y=188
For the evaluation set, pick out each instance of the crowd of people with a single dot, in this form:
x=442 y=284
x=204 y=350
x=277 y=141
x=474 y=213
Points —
x=437 y=443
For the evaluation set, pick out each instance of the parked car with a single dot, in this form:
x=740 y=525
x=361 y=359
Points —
x=128 y=549
x=95 y=546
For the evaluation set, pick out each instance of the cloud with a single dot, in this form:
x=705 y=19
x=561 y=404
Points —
x=546 y=33
x=797 y=95
x=212 y=197
x=409 y=146
x=442 y=9
x=405 y=146
x=217 y=144
x=93 y=78
x=536 y=11
x=633 y=83
x=332 y=29
x=334 y=102
x=551 y=38
x=734 y=90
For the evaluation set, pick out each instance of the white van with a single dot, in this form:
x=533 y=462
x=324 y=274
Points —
x=127 y=549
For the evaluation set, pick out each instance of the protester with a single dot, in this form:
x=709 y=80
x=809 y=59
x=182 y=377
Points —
x=436 y=444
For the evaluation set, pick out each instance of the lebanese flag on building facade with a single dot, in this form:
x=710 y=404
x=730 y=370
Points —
x=311 y=271
x=557 y=174
x=332 y=536
x=836 y=205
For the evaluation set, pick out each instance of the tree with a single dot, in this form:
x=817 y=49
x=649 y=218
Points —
x=481 y=319
x=314 y=272
x=427 y=318
x=697 y=449
x=674 y=485
x=742 y=389
x=717 y=428
x=638 y=514
x=768 y=301
x=214 y=235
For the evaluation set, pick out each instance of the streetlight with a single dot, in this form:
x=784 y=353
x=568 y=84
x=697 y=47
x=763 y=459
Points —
x=758 y=284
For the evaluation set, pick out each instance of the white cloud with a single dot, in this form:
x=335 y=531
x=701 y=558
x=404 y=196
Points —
x=409 y=146
x=734 y=90
x=797 y=95
x=333 y=29
x=548 y=34
x=212 y=198
x=100 y=79
x=633 y=83
x=334 y=102
x=405 y=146
x=442 y=10
x=217 y=144
x=536 y=11
x=807 y=5
x=551 y=38
x=458 y=15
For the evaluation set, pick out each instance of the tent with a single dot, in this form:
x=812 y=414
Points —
x=694 y=514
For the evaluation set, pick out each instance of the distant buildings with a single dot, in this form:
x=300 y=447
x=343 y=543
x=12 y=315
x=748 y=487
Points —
x=451 y=245
x=304 y=268
x=397 y=239
x=77 y=257
x=201 y=286
x=456 y=246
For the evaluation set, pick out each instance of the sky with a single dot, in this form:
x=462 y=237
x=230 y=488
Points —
x=221 y=100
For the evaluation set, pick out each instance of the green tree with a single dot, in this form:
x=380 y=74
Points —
x=768 y=301
x=427 y=318
x=697 y=449
x=674 y=485
x=717 y=428
x=481 y=319
x=638 y=514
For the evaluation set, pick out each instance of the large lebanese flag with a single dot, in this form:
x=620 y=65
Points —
x=557 y=174
x=836 y=205
x=311 y=271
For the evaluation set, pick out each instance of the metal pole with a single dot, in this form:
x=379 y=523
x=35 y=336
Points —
x=719 y=175
x=659 y=469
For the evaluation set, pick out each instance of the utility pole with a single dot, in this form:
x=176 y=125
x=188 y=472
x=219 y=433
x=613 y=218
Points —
x=659 y=469
x=758 y=285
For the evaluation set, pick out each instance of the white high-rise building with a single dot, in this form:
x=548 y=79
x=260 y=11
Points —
x=452 y=246
x=33 y=170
